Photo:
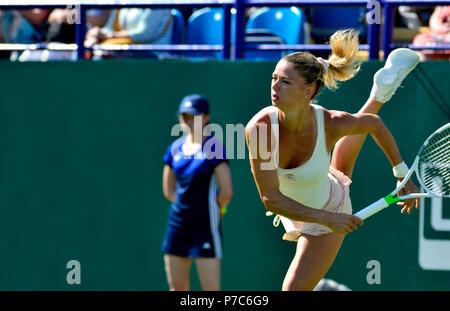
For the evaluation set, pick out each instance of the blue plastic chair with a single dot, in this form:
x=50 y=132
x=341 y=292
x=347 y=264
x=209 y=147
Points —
x=205 y=26
x=327 y=20
x=286 y=23
x=254 y=37
x=179 y=26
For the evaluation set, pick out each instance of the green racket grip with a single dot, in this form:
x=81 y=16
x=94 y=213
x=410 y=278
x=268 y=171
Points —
x=391 y=199
x=377 y=206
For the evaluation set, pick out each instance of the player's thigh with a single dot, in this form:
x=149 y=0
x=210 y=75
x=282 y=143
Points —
x=178 y=270
x=313 y=257
x=208 y=269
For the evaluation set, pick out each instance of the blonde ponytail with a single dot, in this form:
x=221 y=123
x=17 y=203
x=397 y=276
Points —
x=345 y=60
x=342 y=65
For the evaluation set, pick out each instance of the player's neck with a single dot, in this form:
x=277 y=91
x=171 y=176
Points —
x=297 y=120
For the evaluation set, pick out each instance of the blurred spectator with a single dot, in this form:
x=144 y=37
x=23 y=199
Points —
x=62 y=23
x=24 y=26
x=133 y=26
x=439 y=34
x=3 y=54
x=61 y=28
x=97 y=17
x=414 y=17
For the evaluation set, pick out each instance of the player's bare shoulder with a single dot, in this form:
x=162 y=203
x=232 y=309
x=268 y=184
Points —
x=260 y=118
x=259 y=127
x=336 y=121
x=334 y=117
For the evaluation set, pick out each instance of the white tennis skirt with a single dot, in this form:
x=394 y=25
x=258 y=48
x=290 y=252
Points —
x=338 y=202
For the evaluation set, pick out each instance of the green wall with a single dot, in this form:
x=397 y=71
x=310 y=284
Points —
x=81 y=148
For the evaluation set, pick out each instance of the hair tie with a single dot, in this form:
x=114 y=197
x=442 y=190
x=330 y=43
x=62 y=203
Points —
x=325 y=63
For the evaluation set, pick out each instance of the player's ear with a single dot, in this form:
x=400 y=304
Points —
x=309 y=92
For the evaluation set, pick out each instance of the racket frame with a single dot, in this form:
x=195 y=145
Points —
x=390 y=198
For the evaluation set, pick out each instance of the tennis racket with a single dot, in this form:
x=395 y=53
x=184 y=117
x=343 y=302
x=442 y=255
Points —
x=432 y=168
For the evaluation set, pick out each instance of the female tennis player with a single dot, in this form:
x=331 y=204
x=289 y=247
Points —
x=197 y=180
x=298 y=181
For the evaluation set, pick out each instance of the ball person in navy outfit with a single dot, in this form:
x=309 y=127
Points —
x=197 y=180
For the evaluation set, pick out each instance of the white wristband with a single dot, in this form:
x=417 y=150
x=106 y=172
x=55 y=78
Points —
x=400 y=170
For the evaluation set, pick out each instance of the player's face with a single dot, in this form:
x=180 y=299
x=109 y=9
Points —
x=288 y=87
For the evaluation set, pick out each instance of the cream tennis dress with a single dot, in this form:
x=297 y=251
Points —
x=314 y=184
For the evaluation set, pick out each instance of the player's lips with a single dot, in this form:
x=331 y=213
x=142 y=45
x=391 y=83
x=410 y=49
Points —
x=275 y=97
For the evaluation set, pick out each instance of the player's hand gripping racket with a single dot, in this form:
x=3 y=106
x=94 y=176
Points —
x=432 y=168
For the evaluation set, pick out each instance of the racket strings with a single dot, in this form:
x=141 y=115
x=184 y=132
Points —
x=434 y=163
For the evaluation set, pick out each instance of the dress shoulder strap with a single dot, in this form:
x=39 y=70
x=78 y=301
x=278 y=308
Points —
x=273 y=114
x=321 y=137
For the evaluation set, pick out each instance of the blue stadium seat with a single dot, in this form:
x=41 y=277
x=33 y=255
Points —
x=254 y=37
x=205 y=26
x=285 y=23
x=327 y=20
x=179 y=26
